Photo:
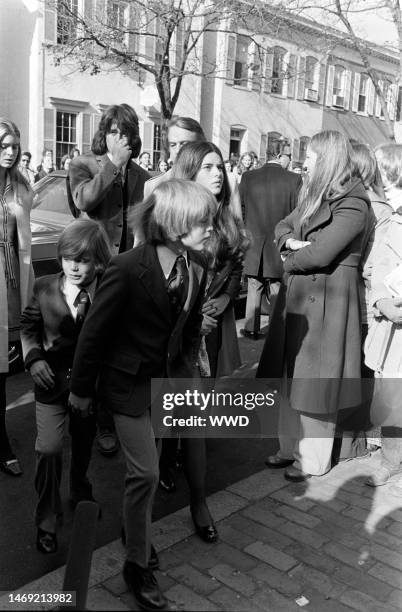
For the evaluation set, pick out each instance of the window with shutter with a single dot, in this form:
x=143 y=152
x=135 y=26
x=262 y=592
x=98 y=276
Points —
x=148 y=134
x=241 y=60
x=378 y=110
x=278 y=70
x=347 y=87
x=66 y=134
x=254 y=67
x=392 y=101
x=67 y=22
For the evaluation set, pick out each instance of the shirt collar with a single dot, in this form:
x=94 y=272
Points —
x=72 y=291
x=167 y=258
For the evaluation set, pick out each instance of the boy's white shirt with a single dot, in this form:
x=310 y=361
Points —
x=71 y=291
x=167 y=258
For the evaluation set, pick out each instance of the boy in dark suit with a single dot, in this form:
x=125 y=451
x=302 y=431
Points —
x=50 y=326
x=144 y=324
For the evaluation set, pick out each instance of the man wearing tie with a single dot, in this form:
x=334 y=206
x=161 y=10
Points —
x=50 y=327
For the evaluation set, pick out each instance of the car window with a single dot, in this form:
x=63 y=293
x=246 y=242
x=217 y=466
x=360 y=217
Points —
x=51 y=196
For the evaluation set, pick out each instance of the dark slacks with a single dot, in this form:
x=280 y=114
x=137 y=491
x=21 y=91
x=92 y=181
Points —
x=50 y=421
x=138 y=444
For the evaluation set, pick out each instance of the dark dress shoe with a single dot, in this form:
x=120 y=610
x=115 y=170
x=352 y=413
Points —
x=276 y=462
x=46 y=542
x=11 y=467
x=166 y=480
x=143 y=584
x=153 y=563
x=107 y=443
x=208 y=533
x=251 y=335
x=295 y=475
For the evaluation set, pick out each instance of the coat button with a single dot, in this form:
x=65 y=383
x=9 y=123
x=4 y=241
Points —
x=311 y=298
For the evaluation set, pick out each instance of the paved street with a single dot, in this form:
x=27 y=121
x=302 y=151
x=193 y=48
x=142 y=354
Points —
x=333 y=544
x=330 y=544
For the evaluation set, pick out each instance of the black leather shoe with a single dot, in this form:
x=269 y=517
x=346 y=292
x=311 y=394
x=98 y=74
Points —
x=208 y=533
x=143 y=584
x=276 y=462
x=11 y=467
x=46 y=542
x=251 y=335
x=295 y=475
x=153 y=563
x=166 y=480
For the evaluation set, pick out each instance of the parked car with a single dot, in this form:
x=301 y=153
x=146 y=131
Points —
x=49 y=216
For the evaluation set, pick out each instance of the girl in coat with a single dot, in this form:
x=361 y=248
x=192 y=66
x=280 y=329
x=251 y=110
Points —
x=219 y=354
x=314 y=337
x=16 y=273
x=383 y=346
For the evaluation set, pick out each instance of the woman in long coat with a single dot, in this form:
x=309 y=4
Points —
x=314 y=338
x=16 y=274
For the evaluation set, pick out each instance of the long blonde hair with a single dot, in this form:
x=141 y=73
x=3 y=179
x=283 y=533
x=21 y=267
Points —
x=8 y=128
x=334 y=169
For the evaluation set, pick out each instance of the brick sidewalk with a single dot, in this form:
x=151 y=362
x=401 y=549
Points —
x=333 y=541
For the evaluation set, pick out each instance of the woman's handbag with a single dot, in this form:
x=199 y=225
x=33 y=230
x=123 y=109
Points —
x=386 y=405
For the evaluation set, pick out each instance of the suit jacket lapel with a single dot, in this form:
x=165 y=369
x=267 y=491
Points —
x=153 y=280
x=132 y=178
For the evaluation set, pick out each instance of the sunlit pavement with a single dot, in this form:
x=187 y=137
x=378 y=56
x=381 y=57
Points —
x=329 y=544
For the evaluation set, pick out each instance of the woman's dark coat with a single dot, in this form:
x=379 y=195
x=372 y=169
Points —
x=315 y=328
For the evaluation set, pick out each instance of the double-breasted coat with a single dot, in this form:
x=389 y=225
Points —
x=315 y=330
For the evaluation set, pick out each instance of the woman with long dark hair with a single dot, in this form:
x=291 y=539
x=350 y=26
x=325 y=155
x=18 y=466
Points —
x=16 y=273
x=314 y=337
x=202 y=162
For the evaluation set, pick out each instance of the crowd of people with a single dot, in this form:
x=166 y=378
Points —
x=149 y=276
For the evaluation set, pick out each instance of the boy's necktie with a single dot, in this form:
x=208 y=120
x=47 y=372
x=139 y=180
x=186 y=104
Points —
x=82 y=302
x=177 y=285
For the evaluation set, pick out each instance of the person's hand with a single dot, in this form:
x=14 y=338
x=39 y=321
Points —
x=208 y=324
x=216 y=306
x=80 y=405
x=295 y=245
x=391 y=308
x=42 y=374
x=119 y=149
